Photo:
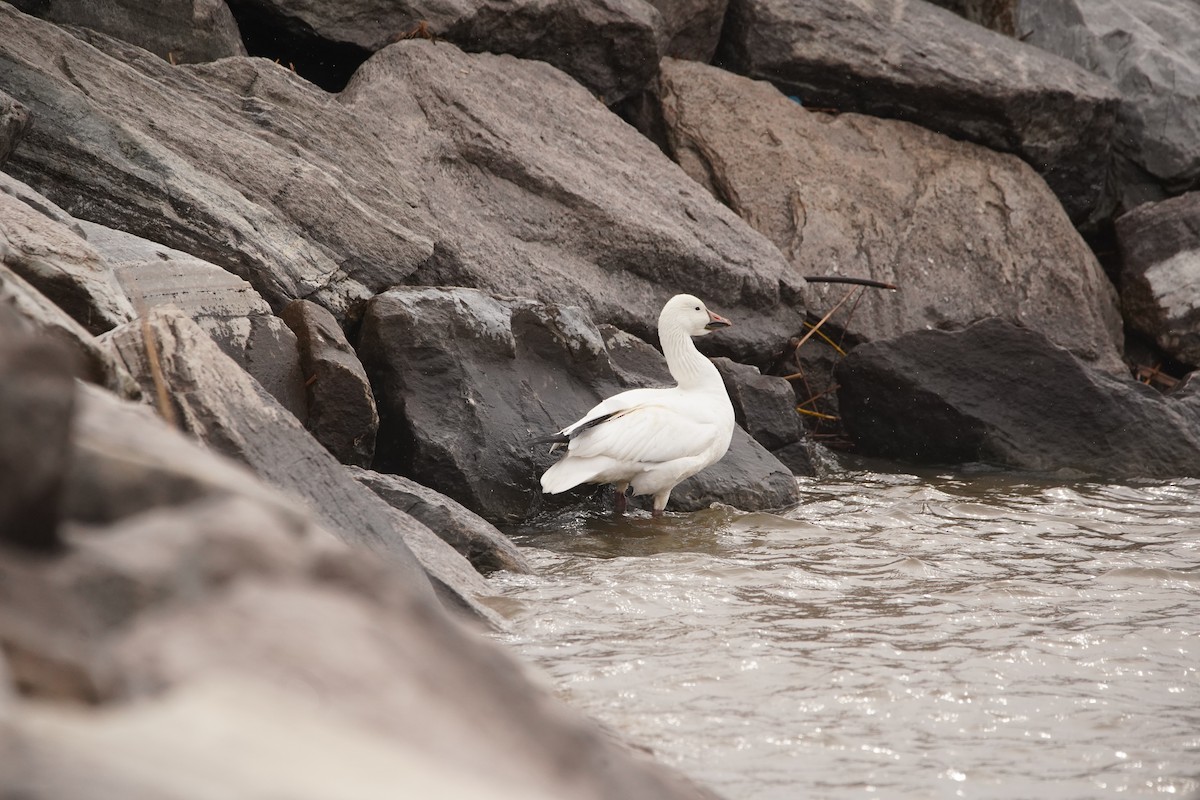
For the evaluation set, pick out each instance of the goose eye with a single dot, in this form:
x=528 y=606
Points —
x=697 y=308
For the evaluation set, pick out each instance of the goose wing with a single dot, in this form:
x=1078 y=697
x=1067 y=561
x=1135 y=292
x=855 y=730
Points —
x=645 y=433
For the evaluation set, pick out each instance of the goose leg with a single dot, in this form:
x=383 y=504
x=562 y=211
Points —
x=620 y=501
x=660 y=503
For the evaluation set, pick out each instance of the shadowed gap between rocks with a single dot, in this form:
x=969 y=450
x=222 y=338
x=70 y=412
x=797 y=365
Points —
x=295 y=44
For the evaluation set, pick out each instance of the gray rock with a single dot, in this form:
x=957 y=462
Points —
x=179 y=31
x=37 y=396
x=965 y=232
x=222 y=406
x=455 y=581
x=920 y=63
x=226 y=410
x=1160 y=266
x=764 y=405
x=214 y=400
x=340 y=406
x=239 y=162
x=61 y=266
x=568 y=204
x=245 y=165
x=611 y=46
x=1003 y=395
x=692 y=27
x=998 y=15
x=1150 y=51
x=464 y=380
x=229 y=727
x=471 y=535
x=28 y=312
x=226 y=307
x=212 y=638
x=748 y=478
x=14 y=120
x=39 y=203
x=126 y=460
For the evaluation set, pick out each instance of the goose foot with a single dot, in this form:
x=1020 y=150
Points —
x=620 y=502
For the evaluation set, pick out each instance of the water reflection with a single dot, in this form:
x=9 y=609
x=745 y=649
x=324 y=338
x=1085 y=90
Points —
x=894 y=636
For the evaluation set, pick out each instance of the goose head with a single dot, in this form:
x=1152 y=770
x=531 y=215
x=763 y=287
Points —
x=688 y=314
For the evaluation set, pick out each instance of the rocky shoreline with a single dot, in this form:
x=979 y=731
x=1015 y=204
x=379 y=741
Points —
x=286 y=289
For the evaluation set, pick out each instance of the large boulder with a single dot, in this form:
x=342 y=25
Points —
x=464 y=380
x=965 y=232
x=567 y=203
x=245 y=165
x=610 y=46
x=1150 y=50
x=210 y=397
x=178 y=31
x=226 y=307
x=1160 y=274
x=126 y=461
x=240 y=163
x=340 y=409
x=924 y=64
x=1003 y=395
x=227 y=648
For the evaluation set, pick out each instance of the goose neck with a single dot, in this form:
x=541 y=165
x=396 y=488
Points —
x=689 y=367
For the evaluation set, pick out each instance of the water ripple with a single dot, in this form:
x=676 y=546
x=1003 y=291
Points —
x=893 y=636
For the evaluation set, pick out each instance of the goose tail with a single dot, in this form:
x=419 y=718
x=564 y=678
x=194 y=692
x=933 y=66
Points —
x=568 y=473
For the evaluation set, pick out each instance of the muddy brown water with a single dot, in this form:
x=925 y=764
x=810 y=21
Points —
x=893 y=636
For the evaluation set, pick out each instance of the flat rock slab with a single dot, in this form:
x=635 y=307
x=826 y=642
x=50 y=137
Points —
x=126 y=460
x=226 y=307
x=475 y=538
x=1149 y=50
x=917 y=62
x=1160 y=273
x=963 y=231
x=333 y=199
x=340 y=407
x=219 y=404
x=1003 y=395
x=61 y=266
x=239 y=162
x=464 y=380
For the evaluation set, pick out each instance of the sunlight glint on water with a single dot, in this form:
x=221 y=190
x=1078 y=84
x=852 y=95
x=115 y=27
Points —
x=892 y=637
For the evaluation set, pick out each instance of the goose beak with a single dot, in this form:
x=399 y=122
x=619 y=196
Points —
x=716 y=321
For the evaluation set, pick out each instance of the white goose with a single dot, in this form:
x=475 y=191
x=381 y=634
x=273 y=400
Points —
x=652 y=439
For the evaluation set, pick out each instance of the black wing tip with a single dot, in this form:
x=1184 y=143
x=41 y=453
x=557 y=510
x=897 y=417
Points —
x=563 y=438
x=554 y=438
